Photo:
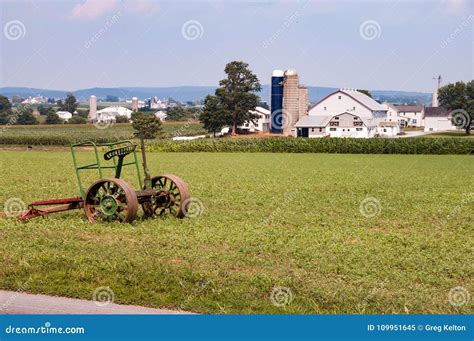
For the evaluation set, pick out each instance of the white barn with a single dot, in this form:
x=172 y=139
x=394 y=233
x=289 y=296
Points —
x=110 y=113
x=344 y=113
x=64 y=115
x=438 y=119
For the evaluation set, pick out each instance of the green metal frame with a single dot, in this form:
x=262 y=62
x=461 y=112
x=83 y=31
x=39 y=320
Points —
x=97 y=165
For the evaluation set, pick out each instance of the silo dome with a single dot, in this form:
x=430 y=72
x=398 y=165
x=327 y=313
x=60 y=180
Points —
x=291 y=72
x=277 y=73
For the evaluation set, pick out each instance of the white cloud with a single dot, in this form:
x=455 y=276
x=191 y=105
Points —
x=93 y=8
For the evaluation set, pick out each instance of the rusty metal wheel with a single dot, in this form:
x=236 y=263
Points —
x=171 y=197
x=111 y=200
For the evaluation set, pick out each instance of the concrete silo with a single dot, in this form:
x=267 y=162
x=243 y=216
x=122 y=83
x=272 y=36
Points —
x=92 y=109
x=276 y=101
x=134 y=104
x=291 y=104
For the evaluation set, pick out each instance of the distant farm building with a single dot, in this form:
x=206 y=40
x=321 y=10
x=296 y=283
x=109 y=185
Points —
x=110 y=113
x=261 y=124
x=64 y=115
x=346 y=113
x=438 y=119
x=406 y=115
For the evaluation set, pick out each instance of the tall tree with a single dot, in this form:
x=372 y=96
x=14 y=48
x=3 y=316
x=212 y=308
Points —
x=459 y=98
x=5 y=110
x=70 y=104
x=4 y=103
x=214 y=116
x=25 y=116
x=237 y=93
x=365 y=92
x=43 y=110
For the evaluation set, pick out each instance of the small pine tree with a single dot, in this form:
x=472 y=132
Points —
x=52 y=117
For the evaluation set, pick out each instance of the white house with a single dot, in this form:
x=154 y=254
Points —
x=110 y=113
x=344 y=113
x=161 y=115
x=64 y=115
x=438 y=119
x=406 y=115
x=261 y=124
x=392 y=115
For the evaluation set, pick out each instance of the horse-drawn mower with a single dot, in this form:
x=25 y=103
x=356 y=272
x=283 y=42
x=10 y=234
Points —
x=113 y=199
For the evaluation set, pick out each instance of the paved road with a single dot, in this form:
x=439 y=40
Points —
x=414 y=133
x=12 y=302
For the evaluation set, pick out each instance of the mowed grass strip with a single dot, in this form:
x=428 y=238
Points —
x=269 y=220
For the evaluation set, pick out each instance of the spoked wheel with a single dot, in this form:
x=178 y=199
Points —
x=171 y=197
x=111 y=200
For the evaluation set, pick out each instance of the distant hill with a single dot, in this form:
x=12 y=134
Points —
x=195 y=93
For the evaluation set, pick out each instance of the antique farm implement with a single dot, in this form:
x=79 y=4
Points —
x=112 y=198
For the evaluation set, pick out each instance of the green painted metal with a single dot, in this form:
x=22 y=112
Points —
x=119 y=163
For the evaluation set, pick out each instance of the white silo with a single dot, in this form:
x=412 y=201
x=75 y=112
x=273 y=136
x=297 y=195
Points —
x=92 y=108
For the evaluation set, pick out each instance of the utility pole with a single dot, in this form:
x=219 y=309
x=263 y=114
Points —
x=439 y=80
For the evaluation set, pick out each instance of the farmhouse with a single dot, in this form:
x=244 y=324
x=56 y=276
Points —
x=345 y=113
x=392 y=115
x=261 y=124
x=406 y=115
x=438 y=119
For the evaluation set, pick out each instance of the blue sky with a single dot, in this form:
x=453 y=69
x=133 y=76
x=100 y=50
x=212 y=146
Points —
x=384 y=45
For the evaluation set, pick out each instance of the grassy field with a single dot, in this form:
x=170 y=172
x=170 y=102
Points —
x=65 y=134
x=341 y=234
x=450 y=134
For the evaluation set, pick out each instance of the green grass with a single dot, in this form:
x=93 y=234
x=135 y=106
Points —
x=450 y=134
x=65 y=134
x=269 y=220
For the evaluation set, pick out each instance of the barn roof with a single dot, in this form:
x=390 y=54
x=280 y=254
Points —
x=436 y=112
